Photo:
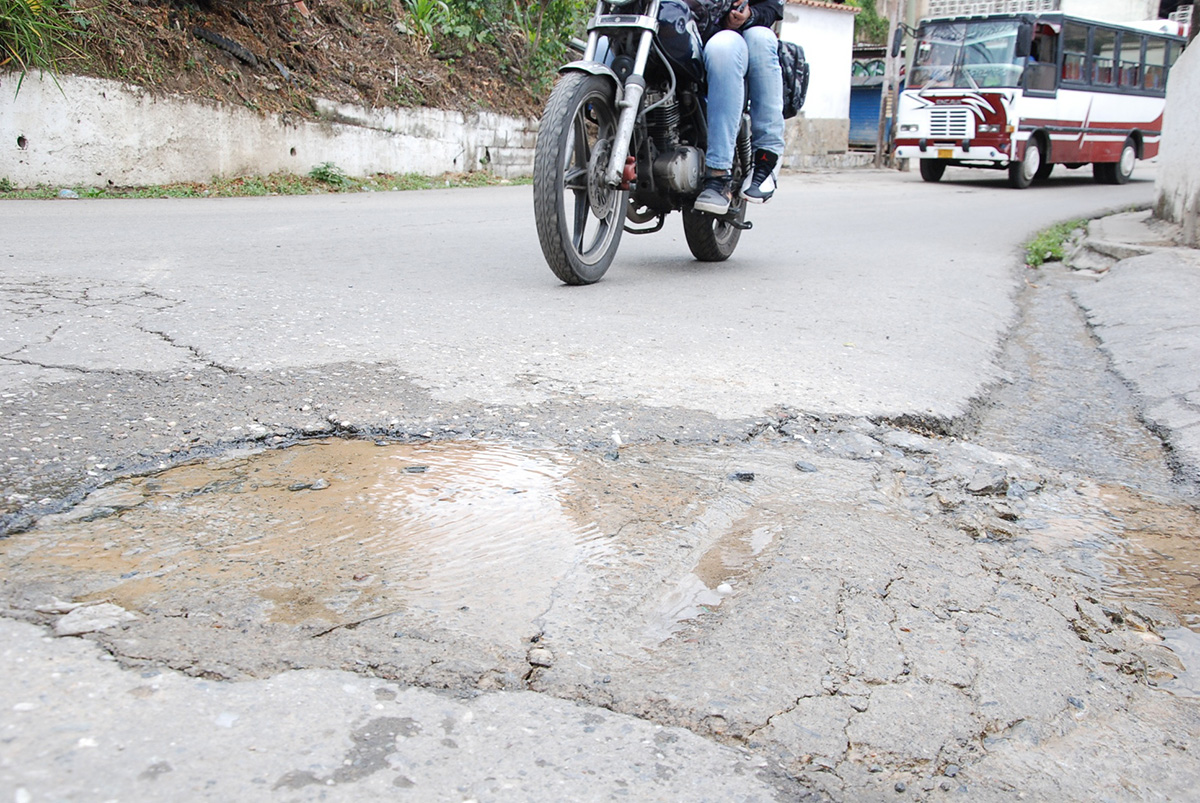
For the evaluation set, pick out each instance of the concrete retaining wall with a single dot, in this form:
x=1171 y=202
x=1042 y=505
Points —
x=1177 y=188
x=94 y=131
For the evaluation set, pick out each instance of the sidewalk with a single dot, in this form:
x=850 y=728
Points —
x=1143 y=308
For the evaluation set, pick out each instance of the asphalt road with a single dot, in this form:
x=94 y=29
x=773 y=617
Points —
x=771 y=597
x=860 y=293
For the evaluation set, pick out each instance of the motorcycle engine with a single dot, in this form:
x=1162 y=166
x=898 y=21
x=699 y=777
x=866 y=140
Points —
x=680 y=169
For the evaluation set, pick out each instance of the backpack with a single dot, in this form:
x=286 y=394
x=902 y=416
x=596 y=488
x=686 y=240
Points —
x=795 y=77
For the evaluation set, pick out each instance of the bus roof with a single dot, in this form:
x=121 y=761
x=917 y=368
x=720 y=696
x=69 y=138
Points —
x=1058 y=18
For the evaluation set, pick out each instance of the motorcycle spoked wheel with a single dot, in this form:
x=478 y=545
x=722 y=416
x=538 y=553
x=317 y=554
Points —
x=579 y=218
x=712 y=239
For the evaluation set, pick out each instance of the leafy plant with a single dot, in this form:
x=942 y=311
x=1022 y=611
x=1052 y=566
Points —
x=32 y=33
x=1050 y=245
x=869 y=26
x=427 y=15
x=330 y=173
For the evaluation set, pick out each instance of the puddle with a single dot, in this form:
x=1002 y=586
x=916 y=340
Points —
x=326 y=533
x=1148 y=551
x=1144 y=551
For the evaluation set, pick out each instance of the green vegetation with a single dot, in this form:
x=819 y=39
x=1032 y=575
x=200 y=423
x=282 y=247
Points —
x=330 y=173
x=274 y=184
x=1050 y=244
x=34 y=34
x=869 y=26
x=531 y=36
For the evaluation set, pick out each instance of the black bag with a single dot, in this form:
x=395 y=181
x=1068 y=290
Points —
x=795 y=77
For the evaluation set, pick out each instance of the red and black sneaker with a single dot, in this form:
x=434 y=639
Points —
x=762 y=181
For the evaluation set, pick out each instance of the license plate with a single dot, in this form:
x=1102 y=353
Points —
x=945 y=153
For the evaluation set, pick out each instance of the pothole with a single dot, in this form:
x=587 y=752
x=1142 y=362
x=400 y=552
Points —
x=326 y=533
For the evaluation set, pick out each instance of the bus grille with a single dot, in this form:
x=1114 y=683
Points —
x=949 y=123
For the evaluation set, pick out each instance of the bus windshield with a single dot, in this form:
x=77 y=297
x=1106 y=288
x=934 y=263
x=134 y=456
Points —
x=967 y=55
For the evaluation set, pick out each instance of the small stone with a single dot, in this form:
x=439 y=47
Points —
x=1075 y=701
x=951 y=770
x=68 y=194
x=742 y=476
x=540 y=656
x=724 y=588
x=805 y=466
x=91 y=619
x=320 y=485
x=415 y=469
x=875 y=768
x=901 y=786
x=993 y=483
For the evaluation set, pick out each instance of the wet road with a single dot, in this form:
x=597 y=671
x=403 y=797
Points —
x=860 y=514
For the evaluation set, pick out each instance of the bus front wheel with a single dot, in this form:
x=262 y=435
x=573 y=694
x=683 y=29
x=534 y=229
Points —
x=1021 y=174
x=932 y=169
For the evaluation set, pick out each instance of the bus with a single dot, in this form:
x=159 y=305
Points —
x=1024 y=92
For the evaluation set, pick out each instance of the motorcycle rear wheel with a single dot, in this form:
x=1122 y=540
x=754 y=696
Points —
x=579 y=218
x=712 y=239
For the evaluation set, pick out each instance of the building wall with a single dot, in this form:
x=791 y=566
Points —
x=822 y=129
x=1177 y=188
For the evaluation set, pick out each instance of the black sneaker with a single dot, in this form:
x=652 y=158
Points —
x=762 y=182
x=716 y=196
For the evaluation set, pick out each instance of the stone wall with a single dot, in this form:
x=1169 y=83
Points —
x=1177 y=188
x=87 y=131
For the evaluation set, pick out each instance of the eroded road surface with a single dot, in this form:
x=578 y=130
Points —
x=397 y=517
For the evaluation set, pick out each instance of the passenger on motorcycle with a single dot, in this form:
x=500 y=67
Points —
x=741 y=55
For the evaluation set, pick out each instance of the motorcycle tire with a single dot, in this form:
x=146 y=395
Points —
x=712 y=239
x=579 y=218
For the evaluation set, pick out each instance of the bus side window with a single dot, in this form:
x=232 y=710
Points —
x=1039 y=73
x=1131 y=59
x=1104 y=46
x=1154 y=77
x=1075 y=49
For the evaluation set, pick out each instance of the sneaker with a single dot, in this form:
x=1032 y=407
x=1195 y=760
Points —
x=716 y=196
x=762 y=182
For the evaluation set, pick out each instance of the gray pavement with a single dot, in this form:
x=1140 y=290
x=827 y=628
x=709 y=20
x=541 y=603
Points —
x=1143 y=309
x=77 y=727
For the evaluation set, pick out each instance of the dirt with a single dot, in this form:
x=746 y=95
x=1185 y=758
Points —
x=274 y=57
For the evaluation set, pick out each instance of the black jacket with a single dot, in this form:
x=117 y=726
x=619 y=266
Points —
x=710 y=14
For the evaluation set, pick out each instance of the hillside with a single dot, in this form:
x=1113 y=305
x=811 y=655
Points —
x=275 y=55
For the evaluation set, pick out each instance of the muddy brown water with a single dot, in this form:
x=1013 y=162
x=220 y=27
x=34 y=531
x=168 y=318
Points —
x=327 y=532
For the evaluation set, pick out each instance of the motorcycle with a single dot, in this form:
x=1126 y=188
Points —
x=622 y=140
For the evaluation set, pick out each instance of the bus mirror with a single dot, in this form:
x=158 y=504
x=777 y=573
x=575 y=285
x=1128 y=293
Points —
x=1024 y=41
x=897 y=40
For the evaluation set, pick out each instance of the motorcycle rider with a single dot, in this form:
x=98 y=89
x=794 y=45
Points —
x=741 y=55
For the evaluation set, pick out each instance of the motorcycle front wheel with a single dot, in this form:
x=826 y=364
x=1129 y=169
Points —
x=579 y=218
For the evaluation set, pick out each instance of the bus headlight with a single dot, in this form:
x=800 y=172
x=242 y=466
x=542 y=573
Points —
x=909 y=128
x=988 y=128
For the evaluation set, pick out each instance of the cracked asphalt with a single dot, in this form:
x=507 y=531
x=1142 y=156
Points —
x=873 y=524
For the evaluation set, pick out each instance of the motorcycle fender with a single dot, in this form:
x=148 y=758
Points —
x=596 y=68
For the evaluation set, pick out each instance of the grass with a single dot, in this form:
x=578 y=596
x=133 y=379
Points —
x=325 y=178
x=1049 y=245
x=30 y=33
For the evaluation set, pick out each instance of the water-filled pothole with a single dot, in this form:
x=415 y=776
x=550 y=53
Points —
x=1145 y=550
x=325 y=533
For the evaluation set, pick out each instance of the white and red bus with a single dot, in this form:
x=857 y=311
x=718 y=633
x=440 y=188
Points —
x=1024 y=92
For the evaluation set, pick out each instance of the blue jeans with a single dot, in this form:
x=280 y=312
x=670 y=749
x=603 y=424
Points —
x=737 y=62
